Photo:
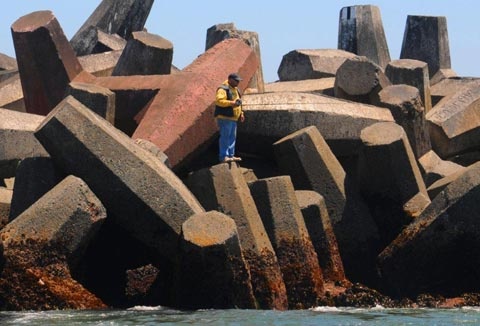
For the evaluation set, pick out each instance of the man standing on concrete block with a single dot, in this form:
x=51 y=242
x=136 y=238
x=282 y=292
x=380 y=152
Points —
x=228 y=110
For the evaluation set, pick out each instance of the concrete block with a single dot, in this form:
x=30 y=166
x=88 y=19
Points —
x=436 y=253
x=145 y=54
x=109 y=42
x=426 y=39
x=11 y=94
x=311 y=64
x=98 y=99
x=120 y=17
x=434 y=168
x=278 y=207
x=361 y=32
x=454 y=123
x=7 y=62
x=46 y=61
x=389 y=178
x=213 y=273
x=406 y=106
x=413 y=73
x=271 y=116
x=100 y=64
x=359 y=79
x=18 y=141
x=179 y=120
x=140 y=192
x=41 y=249
x=5 y=205
x=210 y=186
x=34 y=177
x=306 y=157
x=319 y=86
x=220 y=32
x=315 y=214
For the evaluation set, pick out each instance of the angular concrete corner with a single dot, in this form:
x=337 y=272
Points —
x=34 y=177
x=311 y=64
x=223 y=188
x=437 y=251
x=306 y=157
x=405 y=104
x=454 y=122
x=319 y=226
x=361 y=32
x=434 y=168
x=143 y=196
x=17 y=139
x=283 y=221
x=359 y=79
x=40 y=249
x=98 y=99
x=120 y=17
x=145 y=54
x=213 y=273
x=46 y=61
x=218 y=33
x=426 y=39
x=413 y=73
x=389 y=178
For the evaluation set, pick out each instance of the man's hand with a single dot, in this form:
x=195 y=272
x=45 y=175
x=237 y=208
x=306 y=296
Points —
x=242 y=117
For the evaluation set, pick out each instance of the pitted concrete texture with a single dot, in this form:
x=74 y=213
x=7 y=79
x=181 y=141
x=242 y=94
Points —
x=223 y=188
x=143 y=195
x=11 y=94
x=406 y=106
x=214 y=273
x=109 y=42
x=413 y=73
x=16 y=132
x=319 y=226
x=34 y=177
x=46 y=61
x=434 y=168
x=311 y=64
x=179 y=119
x=306 y=157
x=98 y=99
x=321 y=86
x=120 y=17
x=78 y=213
x=100 y=64
x=436 y=251
x=454 y=122
x=361 y=32
x=389 y=178
x=220 y=32
x=40 y=249
x=7 y=62
x=281 y=215
x=359 y=79
x=426 y=39
x=271 y=116
x=145 y=54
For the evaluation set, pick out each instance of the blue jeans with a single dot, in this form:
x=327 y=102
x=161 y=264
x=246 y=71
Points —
x=228 y=135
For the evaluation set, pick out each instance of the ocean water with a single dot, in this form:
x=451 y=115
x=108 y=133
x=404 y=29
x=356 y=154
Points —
x=320 y=316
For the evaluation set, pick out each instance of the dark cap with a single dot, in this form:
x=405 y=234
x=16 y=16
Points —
x=235 y=76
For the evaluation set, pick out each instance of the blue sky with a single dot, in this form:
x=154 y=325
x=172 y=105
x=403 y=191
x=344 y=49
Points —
x=282 y=26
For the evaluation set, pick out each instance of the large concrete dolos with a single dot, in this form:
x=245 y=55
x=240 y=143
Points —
x=343 y=186
x=140 y=192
